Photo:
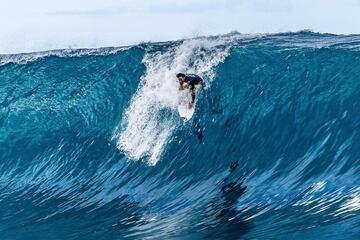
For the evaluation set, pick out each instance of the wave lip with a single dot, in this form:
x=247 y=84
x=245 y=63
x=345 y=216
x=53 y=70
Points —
x=24 y=58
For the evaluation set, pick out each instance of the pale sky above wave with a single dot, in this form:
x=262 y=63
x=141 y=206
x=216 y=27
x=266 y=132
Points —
x=36 y=25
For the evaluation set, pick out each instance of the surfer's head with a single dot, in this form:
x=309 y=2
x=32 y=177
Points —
x=181 y=77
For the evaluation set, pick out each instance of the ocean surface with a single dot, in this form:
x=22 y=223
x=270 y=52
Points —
x=92 y=147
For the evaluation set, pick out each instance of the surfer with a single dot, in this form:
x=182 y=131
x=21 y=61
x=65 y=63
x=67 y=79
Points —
x=192 y=82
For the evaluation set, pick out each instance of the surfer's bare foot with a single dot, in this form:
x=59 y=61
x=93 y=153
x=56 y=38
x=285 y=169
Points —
x=190 y=105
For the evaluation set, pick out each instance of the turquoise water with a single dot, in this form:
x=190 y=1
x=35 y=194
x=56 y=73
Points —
x=91 y=145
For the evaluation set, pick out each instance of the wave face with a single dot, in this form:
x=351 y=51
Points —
x=91 y=145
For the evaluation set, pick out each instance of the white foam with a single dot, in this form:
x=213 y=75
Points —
x=351 y=205
x=143 y=131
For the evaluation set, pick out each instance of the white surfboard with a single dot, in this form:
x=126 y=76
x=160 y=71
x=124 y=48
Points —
x=183 y=107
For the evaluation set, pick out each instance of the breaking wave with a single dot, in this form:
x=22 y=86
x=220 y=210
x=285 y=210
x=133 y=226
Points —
x=92 y=147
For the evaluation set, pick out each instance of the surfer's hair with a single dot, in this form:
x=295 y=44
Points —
x=180 y=75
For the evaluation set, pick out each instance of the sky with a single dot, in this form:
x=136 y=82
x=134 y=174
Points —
x=37 y=25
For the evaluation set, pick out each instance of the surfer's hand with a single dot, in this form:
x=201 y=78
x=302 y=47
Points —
x=191 y=105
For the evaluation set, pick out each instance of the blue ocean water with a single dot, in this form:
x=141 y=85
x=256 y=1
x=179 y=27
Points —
x=91 y=145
